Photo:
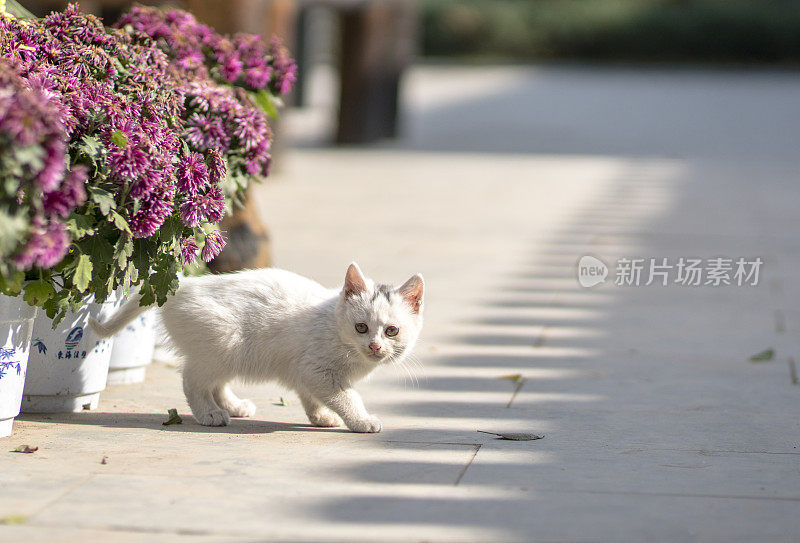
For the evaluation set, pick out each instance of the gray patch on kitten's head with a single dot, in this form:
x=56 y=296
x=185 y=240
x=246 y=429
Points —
x=379 y=307
x=381 y=289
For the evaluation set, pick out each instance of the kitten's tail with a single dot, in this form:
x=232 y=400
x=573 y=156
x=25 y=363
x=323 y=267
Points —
x=129 y=311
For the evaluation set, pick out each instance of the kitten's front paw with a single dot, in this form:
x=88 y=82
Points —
x=325 y=419
x=245 y=408
x=217 y=417
x=369 y=425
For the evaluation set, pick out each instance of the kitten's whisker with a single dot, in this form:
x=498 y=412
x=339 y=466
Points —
x=414 y=380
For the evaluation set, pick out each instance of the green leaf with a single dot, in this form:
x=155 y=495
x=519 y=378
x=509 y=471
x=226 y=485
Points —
x=102 y=255
x=514 y=436
x=18 y=11
x=174 y=418
x=165 y=282
x=170 y=231
x=11 y=285
x=58 y=303
x=129 y=278
x=13 y=229
x=79 y=225
x=268 y=103
x=83 y=273
x=147 y=293
x=38 y=292
x=120 y=222
x=119 y=139
x=143 y=254
x=104 y=200
x=58 y=318
x=91 y=148
x=31 y=156
x=123 y=250
x=99 y=249
x=763 y=356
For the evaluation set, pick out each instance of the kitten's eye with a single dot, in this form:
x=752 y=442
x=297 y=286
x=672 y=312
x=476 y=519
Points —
x=392 y=331
x=361 y=328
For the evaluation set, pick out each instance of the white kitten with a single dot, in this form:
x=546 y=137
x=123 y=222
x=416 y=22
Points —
x=270 y=324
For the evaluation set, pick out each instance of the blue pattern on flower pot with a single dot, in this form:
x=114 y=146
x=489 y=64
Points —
x=6 y=364
x=74 y=337
x=39 y=344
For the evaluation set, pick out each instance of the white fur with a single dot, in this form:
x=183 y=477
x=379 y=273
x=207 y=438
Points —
x=270 y=324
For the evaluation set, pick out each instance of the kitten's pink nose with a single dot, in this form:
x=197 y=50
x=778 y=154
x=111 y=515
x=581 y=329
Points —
x=375 y=347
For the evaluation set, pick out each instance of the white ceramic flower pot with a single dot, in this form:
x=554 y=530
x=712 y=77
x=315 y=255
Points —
x=133 y=351
x=68 y=366
x=16 y=326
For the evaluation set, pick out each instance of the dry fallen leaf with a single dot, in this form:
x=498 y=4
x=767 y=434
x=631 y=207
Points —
x=174 y=418
x=26 y=449
x=516 y=377
x=514 y=436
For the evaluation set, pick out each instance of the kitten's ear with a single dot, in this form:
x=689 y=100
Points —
x=354 y=281
x=411 y=291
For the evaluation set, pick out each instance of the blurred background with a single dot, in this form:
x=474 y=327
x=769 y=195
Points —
x=353 y=54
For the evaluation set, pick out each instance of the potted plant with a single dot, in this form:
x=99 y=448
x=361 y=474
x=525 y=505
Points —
x=156 y=147
x=132 y=351
x=36 y=191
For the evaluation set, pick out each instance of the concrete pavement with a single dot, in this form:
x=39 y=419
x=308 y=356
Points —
x=657 y=426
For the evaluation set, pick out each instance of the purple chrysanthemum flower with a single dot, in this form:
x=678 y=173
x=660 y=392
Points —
x=148 y=181
x=284 y=68
x=153 y=211
x=209 y=207
x=214 y=205
x=46 y=247
x=258 y=76
x=52 y=173
x=192 y=174
x=205 y=132
x=251 y=128
x=192 y=212
x=230 y=67
x=258 y=159
x=127 y=163
x=217 y=170
x=68 y=196
x=215 y=242
x=189 y=251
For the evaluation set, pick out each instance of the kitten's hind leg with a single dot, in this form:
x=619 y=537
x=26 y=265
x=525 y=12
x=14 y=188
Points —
x=201 y=400
x=236 y=407
x=318 y=414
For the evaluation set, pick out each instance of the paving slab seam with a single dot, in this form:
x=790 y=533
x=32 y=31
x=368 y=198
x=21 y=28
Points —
x=466 y=467
x=707 y=451
x=67 y=491
x=432 y=443
x=138 y=529
x=525 y=489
